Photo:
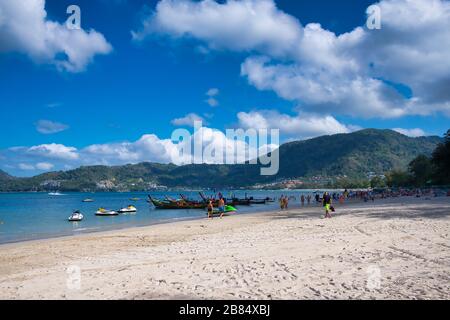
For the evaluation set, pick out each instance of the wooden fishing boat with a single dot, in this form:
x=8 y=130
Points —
x=233 y=202
x=193 y=202
x=175 y=205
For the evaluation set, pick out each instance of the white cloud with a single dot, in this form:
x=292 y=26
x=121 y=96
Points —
x=26 y=167
x=44 y=166
x=24 y=28
x=212 y=92
x=300 y=126
x=149 y=148
x=416 y=132
x=212 y=102
x=55 y=151
x=188 y=120
x=354 y=73
x=50 y=127
x=320 y=90
x=237 y=25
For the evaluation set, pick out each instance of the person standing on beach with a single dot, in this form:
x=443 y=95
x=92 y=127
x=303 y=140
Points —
x=308 y=198
x=210 y=209
x=282 y=202
x=221 y=207
x=302 y=198
x=327 y=204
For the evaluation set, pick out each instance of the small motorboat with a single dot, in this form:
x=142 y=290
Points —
x=76 y=216
x=129 y=209
x=106 y=213
x=55 y=194
x=135 y=199
x=88 y=200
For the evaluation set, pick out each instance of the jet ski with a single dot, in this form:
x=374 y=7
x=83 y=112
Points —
x=106 y=213
x=76 y=216
x=129 y=209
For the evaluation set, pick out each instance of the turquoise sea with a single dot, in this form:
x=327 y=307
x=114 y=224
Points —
x=29 y=216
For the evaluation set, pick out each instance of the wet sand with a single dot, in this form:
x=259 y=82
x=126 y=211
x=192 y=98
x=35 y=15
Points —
x=390 y=249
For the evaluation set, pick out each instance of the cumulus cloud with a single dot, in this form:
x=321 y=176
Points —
x=299 y=126
x=357 y=73
x=44 y=166
x=213 y=143
x=416 y=132
x=238 y=25
x=25 y=28
x=50 y=127
x=188 y=120
x=53 y=151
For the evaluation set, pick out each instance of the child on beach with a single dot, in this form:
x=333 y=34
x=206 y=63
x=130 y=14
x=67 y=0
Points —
x=210 y=209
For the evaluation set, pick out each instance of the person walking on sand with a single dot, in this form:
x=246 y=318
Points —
x=327 y=205
x=221 y=207
x=210 y=209
x=308 y=198
x=302 y=198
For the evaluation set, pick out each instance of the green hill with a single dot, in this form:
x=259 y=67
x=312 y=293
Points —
x=4 y=176
x=353 y=155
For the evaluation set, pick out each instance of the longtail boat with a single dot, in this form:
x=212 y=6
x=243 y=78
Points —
x=193 y=202
x=233 y=202
x=175 y=205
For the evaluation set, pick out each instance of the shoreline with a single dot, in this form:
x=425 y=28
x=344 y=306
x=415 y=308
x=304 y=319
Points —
x=163 y=222
x=272 y=255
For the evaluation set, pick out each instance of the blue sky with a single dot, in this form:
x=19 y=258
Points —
x=129 y=87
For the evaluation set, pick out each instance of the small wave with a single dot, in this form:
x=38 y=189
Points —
x=84 y=229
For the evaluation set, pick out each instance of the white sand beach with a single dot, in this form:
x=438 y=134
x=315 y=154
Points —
x=390 y=249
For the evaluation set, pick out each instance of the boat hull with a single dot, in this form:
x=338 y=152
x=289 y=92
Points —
x=106 y=214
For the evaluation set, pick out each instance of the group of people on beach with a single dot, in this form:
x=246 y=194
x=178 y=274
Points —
x=325 y=201
x=221 y=207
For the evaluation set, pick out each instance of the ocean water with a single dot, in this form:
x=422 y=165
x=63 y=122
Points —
x=29 y=216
